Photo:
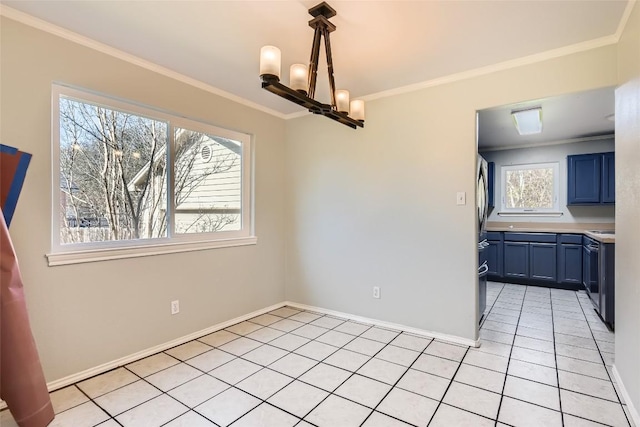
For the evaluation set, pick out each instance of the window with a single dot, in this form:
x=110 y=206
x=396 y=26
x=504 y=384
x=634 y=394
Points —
x=530 y=188
x=131 y=181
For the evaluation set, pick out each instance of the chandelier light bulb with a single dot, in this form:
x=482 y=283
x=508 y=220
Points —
x=298 y=77
x=357 y=109
x=342 y=101
x=270 y=61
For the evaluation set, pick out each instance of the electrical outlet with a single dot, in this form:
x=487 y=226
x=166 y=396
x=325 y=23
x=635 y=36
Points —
x=175 y=307
x=376 y=292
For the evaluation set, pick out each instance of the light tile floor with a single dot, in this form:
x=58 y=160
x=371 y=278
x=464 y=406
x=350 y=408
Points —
x=544 y=361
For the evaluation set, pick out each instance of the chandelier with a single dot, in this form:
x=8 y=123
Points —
x=302 y=79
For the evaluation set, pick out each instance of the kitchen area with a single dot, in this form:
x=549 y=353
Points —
x=546 y=197
x=550 y=195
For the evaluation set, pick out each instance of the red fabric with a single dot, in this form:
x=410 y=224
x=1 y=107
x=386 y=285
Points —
x=22 y=383
x=9 y=166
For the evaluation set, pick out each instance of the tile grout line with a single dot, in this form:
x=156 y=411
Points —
x=398 y=380
x=234 y=386
x=605 y=366
x=164 y=369
x=440 y=402
x=301 y=419
x=497 y=342
x=555 y=358
x=240 y=357
x=352 y=373
x=506 y=374
x=331 y=393
x=369 y=327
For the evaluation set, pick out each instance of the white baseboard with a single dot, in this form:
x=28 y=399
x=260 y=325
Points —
x=428 y=334
x=635 y=416
x=91 y=372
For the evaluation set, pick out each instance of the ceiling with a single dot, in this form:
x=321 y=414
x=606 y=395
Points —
x=379 y=46
x=564 y=118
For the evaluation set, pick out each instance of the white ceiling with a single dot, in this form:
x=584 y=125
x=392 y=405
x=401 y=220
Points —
x=564 y=118
x=378 y=45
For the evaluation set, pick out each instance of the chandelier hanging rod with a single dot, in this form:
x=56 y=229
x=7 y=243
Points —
x=303 y=79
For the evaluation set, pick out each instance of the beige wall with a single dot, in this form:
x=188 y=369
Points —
x=628 y=210
x=372 y=207
x=377 y=207
x=88 y=314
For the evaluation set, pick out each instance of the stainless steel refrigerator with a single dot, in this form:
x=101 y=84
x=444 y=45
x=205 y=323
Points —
x=482 y=205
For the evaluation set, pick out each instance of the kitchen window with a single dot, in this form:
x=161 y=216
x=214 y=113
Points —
x=530 y=188
x=129 y=180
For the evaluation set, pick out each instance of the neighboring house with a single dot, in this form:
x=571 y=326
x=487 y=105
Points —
x=207 y=184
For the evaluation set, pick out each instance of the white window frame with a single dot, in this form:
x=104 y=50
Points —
x=74 y=253
x=555 y=209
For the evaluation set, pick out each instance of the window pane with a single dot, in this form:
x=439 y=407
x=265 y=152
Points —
x=529 y=188
x=208 y=183
x=112 y=174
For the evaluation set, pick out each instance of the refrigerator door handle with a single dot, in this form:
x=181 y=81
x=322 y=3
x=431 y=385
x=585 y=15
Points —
x=483 y=269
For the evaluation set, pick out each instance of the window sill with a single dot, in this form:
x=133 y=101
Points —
x=536 y=214
x=94 y=255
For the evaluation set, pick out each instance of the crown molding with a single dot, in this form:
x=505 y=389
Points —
x=548 y=143
x=501 y=66
x=50 y=28
x=489 y=69
x=40 y=24
x=625 y=19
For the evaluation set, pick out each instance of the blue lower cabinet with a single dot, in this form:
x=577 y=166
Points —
x=543 y=261
x=547 y=259
x=494 y=258
x=516 y=260
x=570 y=263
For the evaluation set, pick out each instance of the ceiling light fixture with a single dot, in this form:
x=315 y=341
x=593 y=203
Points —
x=302 y=80
x=529 y=121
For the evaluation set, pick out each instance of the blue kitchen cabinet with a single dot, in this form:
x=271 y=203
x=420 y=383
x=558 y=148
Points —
x=495 y=255
x=591 y=179
x=583 y=180
x=543 y=261
x=491 y=171
x=516 y=260
x=494 y=258
x=570 y=263
x=609 y=178
x=570 y=259
x=552 y=259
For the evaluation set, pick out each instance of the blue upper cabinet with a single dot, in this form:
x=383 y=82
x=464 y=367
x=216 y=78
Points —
x=584 y=179
x=590 y=179
x=609 y=178
x=491 y=171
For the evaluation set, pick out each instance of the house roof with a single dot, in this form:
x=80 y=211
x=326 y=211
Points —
x=140 y=175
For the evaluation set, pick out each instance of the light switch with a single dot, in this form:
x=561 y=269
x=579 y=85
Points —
x=461 y=198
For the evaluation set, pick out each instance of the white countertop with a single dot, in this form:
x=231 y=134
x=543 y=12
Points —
x=557 y=227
